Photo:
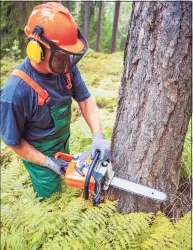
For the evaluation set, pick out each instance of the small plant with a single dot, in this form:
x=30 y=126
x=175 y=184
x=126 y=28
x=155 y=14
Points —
x=14 y=51
x=186 y=155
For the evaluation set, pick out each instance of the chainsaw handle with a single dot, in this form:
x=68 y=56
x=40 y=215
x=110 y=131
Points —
x=98 y=179
x=63 y=156
x=89 y=174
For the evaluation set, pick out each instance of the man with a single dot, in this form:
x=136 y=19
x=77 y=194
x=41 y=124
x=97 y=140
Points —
x=36 y=99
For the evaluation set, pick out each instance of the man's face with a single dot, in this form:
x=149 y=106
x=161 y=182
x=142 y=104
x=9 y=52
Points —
x=58 y=62
x=45 y=62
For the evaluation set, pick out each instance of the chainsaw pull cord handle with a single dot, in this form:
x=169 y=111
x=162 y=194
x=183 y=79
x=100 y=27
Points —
x=89 y=174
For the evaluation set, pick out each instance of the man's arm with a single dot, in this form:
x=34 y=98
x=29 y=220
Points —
x=91 y=114
x=27 y=152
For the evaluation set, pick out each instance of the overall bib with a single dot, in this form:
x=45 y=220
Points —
x=45 y=181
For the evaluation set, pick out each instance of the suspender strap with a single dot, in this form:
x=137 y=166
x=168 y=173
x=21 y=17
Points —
x=42 y=93
x=69 y=83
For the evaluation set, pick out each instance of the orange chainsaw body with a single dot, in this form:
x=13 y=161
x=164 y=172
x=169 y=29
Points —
x=72 y=177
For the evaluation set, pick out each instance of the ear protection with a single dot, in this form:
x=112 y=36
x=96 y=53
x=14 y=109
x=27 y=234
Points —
x=35 y=50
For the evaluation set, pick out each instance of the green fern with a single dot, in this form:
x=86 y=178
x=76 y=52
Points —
x=159 y=235
x=183 y=232
x=66 y=221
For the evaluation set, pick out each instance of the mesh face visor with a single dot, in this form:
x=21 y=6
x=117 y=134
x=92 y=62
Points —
x=62 y=61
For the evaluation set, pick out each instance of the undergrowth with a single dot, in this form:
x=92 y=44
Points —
x=66 y=221
x=7 y=66
x=186 y=155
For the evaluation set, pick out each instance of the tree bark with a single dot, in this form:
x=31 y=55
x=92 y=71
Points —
x=98 y=27
x=115 y=26
x=86 y=19
x=154 y=105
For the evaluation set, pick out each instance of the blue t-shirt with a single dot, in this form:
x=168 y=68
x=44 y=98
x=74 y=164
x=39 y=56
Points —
x=21 y=117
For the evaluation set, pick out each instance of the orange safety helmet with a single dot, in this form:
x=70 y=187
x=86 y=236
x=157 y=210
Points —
x=58 y=24
x=52 y=25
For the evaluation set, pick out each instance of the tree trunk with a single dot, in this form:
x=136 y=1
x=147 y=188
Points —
x=98 y=27
x=154 y=105
x=86 y=19
x=115 y=26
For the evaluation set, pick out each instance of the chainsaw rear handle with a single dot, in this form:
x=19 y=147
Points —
x=89 y=174
x=63 y=156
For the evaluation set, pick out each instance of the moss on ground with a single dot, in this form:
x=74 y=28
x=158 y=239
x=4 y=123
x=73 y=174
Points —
x=100 y=69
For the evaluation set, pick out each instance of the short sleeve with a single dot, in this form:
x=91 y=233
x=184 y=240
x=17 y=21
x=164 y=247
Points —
x=12 y=114
x=12 y=123
x=80 y=90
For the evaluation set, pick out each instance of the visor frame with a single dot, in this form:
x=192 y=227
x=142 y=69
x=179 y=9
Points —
x=54 y=48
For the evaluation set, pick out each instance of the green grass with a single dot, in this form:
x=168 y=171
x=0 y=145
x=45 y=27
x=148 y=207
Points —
x=186 y=155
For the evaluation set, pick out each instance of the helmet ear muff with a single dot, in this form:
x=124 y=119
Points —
x=35 y=51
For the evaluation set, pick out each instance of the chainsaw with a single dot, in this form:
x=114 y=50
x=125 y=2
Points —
x=95 y=175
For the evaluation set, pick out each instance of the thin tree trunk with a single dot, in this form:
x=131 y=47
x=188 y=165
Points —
x=154 y=106
x=86 y=19
x=115 y=26
x=78 y=9
x=67 y=4
x=124 y=26
x=98 y=27
x=25 y=17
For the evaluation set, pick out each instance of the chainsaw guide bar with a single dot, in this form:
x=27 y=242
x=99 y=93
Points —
x=94 y=175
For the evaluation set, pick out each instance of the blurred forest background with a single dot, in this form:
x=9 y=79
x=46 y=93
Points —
x=104 y=24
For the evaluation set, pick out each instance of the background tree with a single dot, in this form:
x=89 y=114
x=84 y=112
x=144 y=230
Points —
x=86 y=19
x=98 y=31
x=12 y=24
x=115 y=26
x=14 y=28
x=125 y=10
x=92 y=24
x=67 y=4
x=154 y=106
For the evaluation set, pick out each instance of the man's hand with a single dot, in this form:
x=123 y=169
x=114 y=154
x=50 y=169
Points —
x=58 y=166
x=100 y=143
x=91 y=114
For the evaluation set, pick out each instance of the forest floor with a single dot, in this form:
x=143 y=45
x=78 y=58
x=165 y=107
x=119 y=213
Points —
x=66 y=221
x=102 y=74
